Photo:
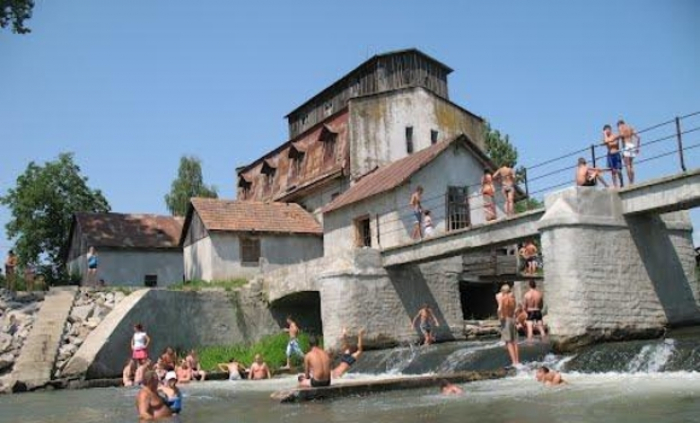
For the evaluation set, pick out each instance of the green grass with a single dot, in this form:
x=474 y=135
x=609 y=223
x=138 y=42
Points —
x=196 y=285
x=272 y=348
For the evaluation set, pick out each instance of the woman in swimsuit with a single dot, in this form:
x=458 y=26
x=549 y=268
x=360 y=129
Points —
x=149 y=405
x=171 y=394
x=349 y=356
x=487 y=192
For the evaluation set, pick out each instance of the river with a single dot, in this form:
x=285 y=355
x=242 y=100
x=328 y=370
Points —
x=636 y=382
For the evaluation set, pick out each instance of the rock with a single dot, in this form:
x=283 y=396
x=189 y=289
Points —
x=82 y=313
x=6 y=360
x=5 y=342
x=92 y=323
x=66 y=351
x=118 y=296
x=77 y=341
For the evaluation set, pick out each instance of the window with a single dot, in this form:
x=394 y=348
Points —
x=457 y=208
x=363 y=232
x=296 y=157
x=433 y=136
x=150 y=281
x=328 y=138
x=409 y=139
x=334 y=195
x=250 y=250
x=304 y=119
x=328 y=109
x=269 y=172
x=244 y=188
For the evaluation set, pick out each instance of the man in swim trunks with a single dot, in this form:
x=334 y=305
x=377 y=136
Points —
x=630 y=147
x=532 y=300
x=506 y=175
x=529 y=254
x=588 y=176
x=259 y=369
x=417 y=208
x=293 y=344
x=349 y=356
x=426 y=315
x=487 y=193
x=549 y=377
x=149 y=405
x=506 y=314
x=317 y=366
x=193 y=361
x=612 y=142
x=233 y=368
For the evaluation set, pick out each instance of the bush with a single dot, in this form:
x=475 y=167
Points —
x=272 y=348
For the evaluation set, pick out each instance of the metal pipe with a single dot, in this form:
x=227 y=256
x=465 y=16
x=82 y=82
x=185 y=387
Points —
x=593 y=155
x=679 y=136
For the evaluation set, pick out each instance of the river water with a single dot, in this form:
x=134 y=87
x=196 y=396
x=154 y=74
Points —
x=636 y=382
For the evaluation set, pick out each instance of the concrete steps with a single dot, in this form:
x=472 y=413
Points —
x=34 y=366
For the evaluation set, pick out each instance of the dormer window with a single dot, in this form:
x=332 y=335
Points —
x=328 y=137
x=304 y=119
x=269 y=171
x=244 y=187
x=328 y=109
x=296 y=161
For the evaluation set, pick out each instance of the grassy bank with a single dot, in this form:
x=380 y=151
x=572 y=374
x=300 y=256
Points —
x=272 y=348
x=196 y=285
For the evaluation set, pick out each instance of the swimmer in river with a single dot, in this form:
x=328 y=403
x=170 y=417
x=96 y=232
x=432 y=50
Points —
x=447 y=388
x=149 y=405
x=349 y=356
x=549 y=377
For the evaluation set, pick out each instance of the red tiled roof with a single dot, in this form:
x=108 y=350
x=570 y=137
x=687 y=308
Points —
x=232 y=215
x=395 y=174
x=117 y=230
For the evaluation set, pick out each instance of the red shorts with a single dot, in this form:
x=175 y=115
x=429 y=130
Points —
x=139 y=354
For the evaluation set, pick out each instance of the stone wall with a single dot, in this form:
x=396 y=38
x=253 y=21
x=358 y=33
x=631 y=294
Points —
x=179 y=319
x=17 y=315
x=125 y=267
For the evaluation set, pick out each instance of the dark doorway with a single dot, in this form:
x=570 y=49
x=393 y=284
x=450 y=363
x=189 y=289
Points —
x=303 y=307
x=478 y=300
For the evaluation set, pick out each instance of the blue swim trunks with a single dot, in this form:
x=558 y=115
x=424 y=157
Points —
x=615 y=161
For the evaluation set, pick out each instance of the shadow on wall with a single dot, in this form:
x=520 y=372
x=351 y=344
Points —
x=413 y=291
x=665 y=268
x=303 y=307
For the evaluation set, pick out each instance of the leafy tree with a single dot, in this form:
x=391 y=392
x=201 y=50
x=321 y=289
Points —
x=42 y=205
x=502 y=152
x=189 y=183
x=14 y=13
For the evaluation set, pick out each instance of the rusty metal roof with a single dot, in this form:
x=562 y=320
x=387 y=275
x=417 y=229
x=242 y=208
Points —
x=117 y=230
x=395 y=174
x=238 y=216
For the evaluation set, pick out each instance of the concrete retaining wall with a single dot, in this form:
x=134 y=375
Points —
x=171 y=318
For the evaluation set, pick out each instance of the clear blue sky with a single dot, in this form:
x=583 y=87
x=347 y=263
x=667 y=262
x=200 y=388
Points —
x=130 y=86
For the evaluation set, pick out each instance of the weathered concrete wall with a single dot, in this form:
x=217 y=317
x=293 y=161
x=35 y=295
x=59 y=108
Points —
x=129 y=268
x=172 y=318
x=378 y=124
x=314 y=202
x=454 y=167
x=609 y=277
x=218 y=257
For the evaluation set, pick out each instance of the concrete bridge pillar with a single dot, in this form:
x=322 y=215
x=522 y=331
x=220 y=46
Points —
x=614 y=277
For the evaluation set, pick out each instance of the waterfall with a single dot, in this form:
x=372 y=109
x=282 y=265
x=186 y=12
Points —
x=652 y=358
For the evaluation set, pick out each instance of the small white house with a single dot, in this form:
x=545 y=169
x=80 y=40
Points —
x=227 y=239
x=132 y=249
x=375 y=211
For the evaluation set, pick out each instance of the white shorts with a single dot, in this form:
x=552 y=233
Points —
x=629 y=150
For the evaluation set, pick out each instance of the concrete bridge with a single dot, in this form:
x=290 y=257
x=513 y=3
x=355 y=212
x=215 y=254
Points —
x=664 y=195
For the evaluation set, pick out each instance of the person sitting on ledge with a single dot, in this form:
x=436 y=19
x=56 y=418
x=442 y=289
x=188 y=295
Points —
x=233 y=368
x=149 y=405
x=129 y=373
x=183 y=371
x=447 y=388
x=193 y=363
x=588 y=176
x=144 y=365
x=169 y=358
x=349 y=356
x=259 y=369
x=317 y=366
x=549 y=377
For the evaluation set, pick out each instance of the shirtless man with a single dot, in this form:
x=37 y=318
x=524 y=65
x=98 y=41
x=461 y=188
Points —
x=233 y=368
x=144 y=365
x=426 y=315
x=317 y=366
x=533 y=306
x=506 y=313
x=549 y=377
x=630 y=147
x=11 y=270
x=349 y=356
x=529 y=254
x=487 y=193
x=520 y=318
x=183 y=372
x=588 y=176
x=149 y=405
x=417 y=208
x=193 y=363
x=612 y=142
x=506 y=175
x=259 y=369
x=447 y=388
x=293 y=344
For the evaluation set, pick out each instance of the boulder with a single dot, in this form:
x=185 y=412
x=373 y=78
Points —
x=82 y=313
x=66 y=352
x=92 y=322
x=118 y=296
x=6 y=360
x=75 y=340
x=5 y=342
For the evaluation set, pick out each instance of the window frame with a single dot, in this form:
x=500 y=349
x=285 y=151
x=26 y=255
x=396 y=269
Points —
x=249 y=246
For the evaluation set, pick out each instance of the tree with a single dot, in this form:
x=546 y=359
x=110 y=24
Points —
x=42 y=205
x=188 y=184
x=15 y=12
x=502 y=152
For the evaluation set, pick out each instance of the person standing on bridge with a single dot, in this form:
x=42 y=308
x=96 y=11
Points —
x=506 y=176
x=630 y=147
x=487 y=193
x=417 y=208
x=612 y=142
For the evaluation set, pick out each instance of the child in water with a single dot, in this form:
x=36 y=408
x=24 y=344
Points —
x=171 y=393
